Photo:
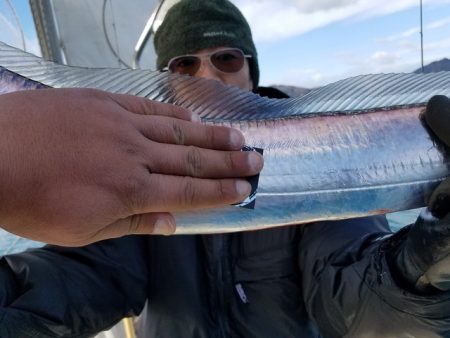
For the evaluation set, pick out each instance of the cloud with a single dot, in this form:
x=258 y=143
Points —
x=443 y=46
x=284 y=19
x=312 y=6
x=438 y=24
x=273 y=20
x=381 y=61
x=400 y=36
x=9 y=31
x=383 y=58
x=11 y=34
x=412 y=32
x=405 y=58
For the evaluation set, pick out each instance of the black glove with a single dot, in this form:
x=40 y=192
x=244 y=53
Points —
x=422 y=259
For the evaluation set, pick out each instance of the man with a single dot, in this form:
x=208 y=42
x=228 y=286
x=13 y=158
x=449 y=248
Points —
x=329 y=279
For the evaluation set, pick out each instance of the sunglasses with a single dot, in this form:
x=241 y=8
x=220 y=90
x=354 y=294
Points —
x=226 y=60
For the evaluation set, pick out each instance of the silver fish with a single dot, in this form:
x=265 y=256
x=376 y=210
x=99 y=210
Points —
x=353 y=148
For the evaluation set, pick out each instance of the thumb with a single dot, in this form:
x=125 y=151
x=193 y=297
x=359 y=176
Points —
x=437 y=117
x=439 y=203
x=141 y=224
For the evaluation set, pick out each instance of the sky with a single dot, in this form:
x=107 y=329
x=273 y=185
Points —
x=309 y=43
x=314 y=42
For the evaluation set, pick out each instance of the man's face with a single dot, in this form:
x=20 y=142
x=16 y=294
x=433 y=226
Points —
x=207 y=70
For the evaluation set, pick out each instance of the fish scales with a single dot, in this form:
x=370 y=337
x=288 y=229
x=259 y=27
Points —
x=352 y=148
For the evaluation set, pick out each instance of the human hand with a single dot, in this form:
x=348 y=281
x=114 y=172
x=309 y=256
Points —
x=82 y=165
x=424 y=258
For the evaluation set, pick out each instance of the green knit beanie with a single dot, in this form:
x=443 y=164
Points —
x=192 y=25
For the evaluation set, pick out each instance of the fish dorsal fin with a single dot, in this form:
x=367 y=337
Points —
x=206 y=97
x=215 y=101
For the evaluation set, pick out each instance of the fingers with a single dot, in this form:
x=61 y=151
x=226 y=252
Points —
x=189 y=191
x=164 y=193
x=437 y=116
x=173 y=124
x=202 y=163
x=168 y=130
x=143 y=106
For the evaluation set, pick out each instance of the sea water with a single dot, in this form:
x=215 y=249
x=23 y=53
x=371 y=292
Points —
x=10 y=243
x=398 y=220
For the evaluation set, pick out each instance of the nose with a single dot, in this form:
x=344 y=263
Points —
x=207 y=71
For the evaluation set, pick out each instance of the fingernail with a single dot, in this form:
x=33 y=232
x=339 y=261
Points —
x=243 y=187
x=195 y=118
x=163 y=227
x=255 y=161
x=236 y=139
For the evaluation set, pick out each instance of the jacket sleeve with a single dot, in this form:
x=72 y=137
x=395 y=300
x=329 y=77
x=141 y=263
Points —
x=349 y=288
x=72 y=292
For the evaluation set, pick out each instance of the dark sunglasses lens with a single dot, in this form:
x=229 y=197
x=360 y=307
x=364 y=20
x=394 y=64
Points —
x=185 y=65
x=228 y=61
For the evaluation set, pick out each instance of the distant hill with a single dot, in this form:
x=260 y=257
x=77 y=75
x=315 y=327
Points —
x=435 y=66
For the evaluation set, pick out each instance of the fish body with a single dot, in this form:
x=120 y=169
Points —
x=12 y=82
x=353 y=148
x=334 y=167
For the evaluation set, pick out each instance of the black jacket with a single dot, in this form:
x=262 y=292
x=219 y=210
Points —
x=294 y=281
x=289 y=282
